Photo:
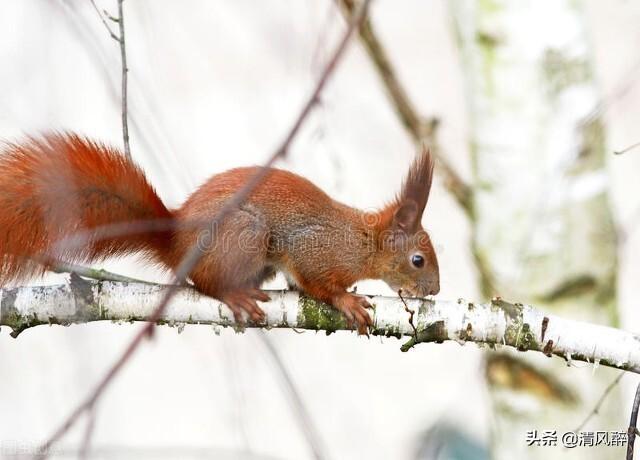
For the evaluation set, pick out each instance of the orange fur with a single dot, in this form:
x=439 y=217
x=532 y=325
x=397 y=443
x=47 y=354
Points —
x=57 y=185
x=54 y=186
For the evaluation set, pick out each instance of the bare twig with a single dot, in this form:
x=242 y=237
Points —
x=626 y=149
x=111 y=18
x=420 y=129
x=598 y=405
x=308 y=427
x=153 y=137
x=111 y=32
x=123 y=61
x=93 y=273
x=411 y=313
x=83 y=454
x=632 y=431
x=83 y=237
x=196 y=252
x=125 y=71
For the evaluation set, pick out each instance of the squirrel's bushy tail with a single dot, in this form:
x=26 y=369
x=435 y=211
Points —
x=63 y=196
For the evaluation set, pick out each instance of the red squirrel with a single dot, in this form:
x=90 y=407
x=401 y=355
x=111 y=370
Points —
x=56 y=185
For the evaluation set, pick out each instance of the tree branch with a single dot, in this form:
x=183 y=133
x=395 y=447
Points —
x=111 y=32
x=123 y=62
x=495 y=323
x=632 y=431
x=88 y=272
x=125 y=70
x=420 y=129
x=626 y=149
x=601 y=400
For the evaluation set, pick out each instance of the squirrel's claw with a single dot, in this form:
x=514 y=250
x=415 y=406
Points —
x=246 y=301
x=354 y=308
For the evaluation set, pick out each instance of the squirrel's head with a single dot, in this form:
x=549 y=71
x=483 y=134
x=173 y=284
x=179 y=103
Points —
x=406 y=259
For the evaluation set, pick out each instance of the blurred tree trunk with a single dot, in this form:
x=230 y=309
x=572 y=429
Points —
x=543 y=229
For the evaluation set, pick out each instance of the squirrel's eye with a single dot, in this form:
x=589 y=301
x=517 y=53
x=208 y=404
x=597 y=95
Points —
x=417 y=260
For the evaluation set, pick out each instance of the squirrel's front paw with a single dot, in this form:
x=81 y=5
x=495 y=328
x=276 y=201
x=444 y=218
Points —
x=245 y=300
x=354 y=307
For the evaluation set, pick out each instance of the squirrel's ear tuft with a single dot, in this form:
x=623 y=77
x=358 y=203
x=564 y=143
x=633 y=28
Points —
x=417 y=184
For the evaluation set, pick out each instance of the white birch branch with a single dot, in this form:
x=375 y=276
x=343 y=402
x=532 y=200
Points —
x=495 y=323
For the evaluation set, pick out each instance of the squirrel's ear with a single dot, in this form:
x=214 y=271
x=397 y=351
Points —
x=406 y=218
x=417 y=184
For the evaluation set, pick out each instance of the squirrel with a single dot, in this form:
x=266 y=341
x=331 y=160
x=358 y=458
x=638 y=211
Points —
x=58 y=184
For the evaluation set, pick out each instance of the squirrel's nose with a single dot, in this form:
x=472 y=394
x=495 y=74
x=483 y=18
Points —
x=434 y=288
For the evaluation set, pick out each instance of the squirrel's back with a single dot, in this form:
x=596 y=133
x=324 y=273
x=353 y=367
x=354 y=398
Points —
x=281 y=195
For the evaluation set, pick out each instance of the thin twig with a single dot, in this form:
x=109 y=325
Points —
x=153 y=131
x=196 y=252
x=420 y=129
x=83 y=454
x=123 y=64
x=125 y=71
x=111 y=32
x=632 y=431
x=82 y=238
x=596 y=409
x=625 y=150
x=304 y=418
x=411 y=313
x=98 y=274
x=111 y=18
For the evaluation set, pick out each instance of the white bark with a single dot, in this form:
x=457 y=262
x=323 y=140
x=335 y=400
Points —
x=496 y=323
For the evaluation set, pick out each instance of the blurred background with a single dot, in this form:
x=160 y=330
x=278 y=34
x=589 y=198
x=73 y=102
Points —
x=527 y=102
